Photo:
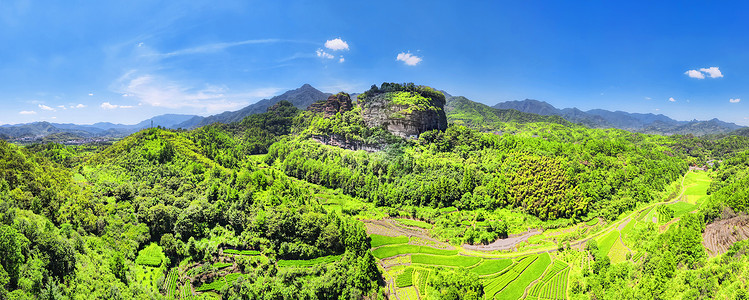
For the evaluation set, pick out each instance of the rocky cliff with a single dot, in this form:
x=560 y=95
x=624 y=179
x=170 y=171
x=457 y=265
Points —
x=405 y=111
x=340 y=102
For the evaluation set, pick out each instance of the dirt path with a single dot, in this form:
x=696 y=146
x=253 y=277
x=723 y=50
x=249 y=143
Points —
x=504 y=244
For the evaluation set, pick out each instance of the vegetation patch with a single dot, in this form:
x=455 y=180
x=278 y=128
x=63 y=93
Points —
x=516 y=288
x=592 y=222
x=388 y=251
x=241 y=252
x=219 y=283
x=607 y=241
x=405 y=279
x=491 y=266
x=451 y=261
x=618 y=252
x=308 y=262
x=152 y=255
x=414 y=223
x=381 y=240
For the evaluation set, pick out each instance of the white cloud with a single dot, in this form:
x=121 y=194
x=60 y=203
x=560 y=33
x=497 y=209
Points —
x=62 y=107
x=672 y=99
x=27 y=112
x=657 y=109
x=44 y=107
x=323 y=54
x=162 y=92
x=90 y=94
x=107 y=105
x=648 y=98
x=336 y=44
x=714 y=72
x=80 y=105
x=340 y=60
x=695 y=74
x=737 y=100
x=408 y=58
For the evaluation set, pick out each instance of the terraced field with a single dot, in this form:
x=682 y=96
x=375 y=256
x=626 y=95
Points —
x=450 y=261
x=553 y=285
x=491 y=266
x=389 y=251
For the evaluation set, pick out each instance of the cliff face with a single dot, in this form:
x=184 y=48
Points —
x=404 y=113
x=340 y=102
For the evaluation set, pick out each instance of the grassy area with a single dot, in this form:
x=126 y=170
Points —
x=219 y=283
x=451 y=261
x=308 y=262
x=607 y=241
x=491 y=266
x=696 y=184
x=408 y=293
x=516 y=288
x=405 y=279
x=147 y=276
x=414 y=223
x=682 y=208
x=152 y=255
x=381 y=240
x=592 y=222
x=241 y=252
x=219 y=266
x=618 y=252
x=388 y=251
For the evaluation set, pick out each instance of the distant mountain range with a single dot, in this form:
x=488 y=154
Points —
x=459 y=110
x=636 y=122
x=301 y=97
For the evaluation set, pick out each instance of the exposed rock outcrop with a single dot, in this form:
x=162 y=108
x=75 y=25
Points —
x=405 y=113
x=341 y=142
x=340 y=102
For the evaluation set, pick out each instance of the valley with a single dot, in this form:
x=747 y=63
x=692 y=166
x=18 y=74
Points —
x=386 y=195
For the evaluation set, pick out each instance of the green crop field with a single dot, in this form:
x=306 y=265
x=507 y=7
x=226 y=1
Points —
x=152 y=255
x=241 y=252
x=451 y=261
x=494 y=284
x=381 y=240
x=553 y=284
x=422 y=277
x=308 y=262
x=388 y=251
x=592 y=222
x=682 y=208
x=516 y=288
x=607 y=241
x=219 y=283
x=408 y=293
x=170 y=284
x=405 y=279
x=415 y=223
x=491 y=266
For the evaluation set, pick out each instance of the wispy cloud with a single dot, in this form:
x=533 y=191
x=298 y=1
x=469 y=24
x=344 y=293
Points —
x=336 y=44
x=162 y=92
x=648 y=98
x=672 y=99
x=27 y=112
x=737 y=100
x=216 y=47
x=408 y=58
x=107 y=105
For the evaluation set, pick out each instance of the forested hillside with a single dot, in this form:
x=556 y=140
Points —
x=308 y=204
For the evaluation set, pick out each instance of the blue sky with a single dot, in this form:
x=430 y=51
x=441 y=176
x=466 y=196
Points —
x=125 y=61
